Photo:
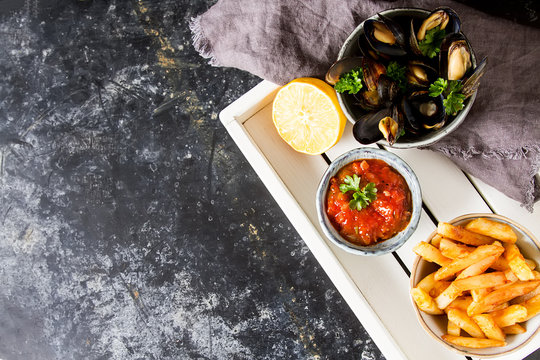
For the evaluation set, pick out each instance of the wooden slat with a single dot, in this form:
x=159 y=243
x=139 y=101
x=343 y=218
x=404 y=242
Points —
x=510 y=208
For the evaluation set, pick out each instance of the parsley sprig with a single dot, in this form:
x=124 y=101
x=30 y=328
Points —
x=350 y=81
x=396 y=72
x=361 y=197
x=431 y=45
x=453 y=101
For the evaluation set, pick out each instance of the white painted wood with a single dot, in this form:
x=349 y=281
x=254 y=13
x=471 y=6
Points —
x=446 y=191
x=376 y=288
x=300 y=174
x=302 y=223
x=505 y=206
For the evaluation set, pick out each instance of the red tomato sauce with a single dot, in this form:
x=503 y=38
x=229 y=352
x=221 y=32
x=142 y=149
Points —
x=382 y=218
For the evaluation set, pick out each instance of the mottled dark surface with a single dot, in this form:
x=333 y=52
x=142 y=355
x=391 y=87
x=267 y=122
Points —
x=131 y=226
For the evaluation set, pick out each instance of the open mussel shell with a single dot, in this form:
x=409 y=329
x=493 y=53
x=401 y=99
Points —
x=455 y=58
x=368 y=51
x=385 y=36
x=444 y=17
x=419 y=74
x=423 y=112
x=341 y=67
x=470 y=85
x=368 y=100
x=392 y=126
x=366 y=128
x=372 y=70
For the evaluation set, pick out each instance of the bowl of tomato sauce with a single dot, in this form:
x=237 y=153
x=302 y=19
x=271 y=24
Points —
x=369 y=202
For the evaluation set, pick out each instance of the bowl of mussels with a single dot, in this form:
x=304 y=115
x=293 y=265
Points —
x=406 y=77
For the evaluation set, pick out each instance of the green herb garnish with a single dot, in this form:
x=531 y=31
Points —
x=431 y=45
x=396 y=72
x=350 y=81
x=453 y=101
x=361 y=197
x=438 y=87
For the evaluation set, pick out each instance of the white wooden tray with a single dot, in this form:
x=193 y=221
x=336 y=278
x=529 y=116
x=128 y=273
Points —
x=376 y=288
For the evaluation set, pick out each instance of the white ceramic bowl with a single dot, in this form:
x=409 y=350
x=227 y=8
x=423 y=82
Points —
x=435 y=326
x=400 y=166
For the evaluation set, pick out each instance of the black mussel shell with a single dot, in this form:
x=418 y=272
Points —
x=366 y=129
x=455 y=58
x=368 y=51
x=392 y=126
x=470 y=85
x=372 y=71
x=387 y=89
x=420 y=74
x=368 y=100
x=341 y=67
x=385 y=39
x=452 y=25
x=423 y=112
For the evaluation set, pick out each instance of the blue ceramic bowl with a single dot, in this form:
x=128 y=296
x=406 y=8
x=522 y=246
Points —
x=400 y=166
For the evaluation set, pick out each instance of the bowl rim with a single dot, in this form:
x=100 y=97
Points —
x=445 y=130
x=391 y=159
x=414 y=269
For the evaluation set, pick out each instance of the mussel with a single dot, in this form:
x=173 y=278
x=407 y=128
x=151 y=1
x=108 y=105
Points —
x=420 y=74
x=455 y=58
x=445 y=18
x=423 y=112
x=385 y=124
x=341 y=67
x=385 y=36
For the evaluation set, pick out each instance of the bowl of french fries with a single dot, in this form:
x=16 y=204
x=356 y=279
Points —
x=475 y=285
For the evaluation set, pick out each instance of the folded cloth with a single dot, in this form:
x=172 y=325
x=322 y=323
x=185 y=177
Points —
x=279 y=40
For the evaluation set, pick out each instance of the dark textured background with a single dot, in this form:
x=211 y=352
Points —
x=131 y=226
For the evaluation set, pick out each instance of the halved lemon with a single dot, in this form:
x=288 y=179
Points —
x=307 y=115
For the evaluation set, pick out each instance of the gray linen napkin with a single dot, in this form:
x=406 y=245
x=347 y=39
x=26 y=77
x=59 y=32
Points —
x=280 y=40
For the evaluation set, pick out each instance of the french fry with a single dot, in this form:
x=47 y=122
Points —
x=425 y=302
x=480 y=253
x=472 y=342
x=533 y=307
x=502 y=306
x=531 y=293
x=461 y=319
x=479 y=267
x=431 y=253
x=488 y=326
x=481 y=281
x=436 y=240
x=453 y=329
x=479 y=293
x=531 y=264
x=500 y=264
x=448 y=296
x=509 y=316
x=439 y=287
x=501 y=295
x=427 y=282
x=453 y=250
x=462 y=235
x=514 y=329
x=517 y=263
x=494 y=229
x=461 y=303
